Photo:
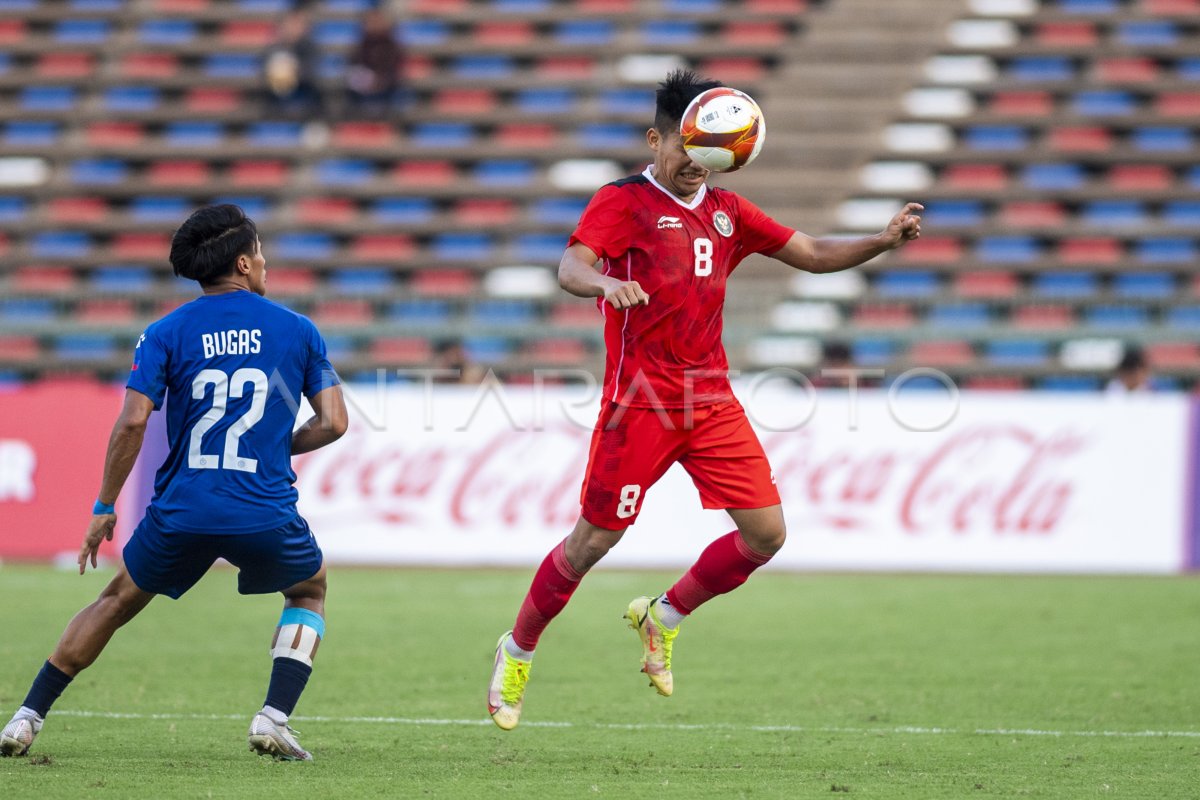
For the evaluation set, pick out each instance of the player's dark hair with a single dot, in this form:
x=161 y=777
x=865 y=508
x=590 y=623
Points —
x=1133 y=359
x=206 y=247
x=673 y=96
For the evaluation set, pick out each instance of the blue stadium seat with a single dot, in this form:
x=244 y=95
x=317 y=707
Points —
x=151 y=208
x=1144 y=285
x=463 y=246
x=255 y=206
x=539 y=247
x=557 y=210
x=1188 y=69
x=907 y=284
x=372 y=281
x=486 y=349
x=608 y=135
x=194 y=134
x=1147 y=33
x=550 y=100
x=1107 y=316
x=264 y=6
x=403 y=209
x=628 y=102
x=442 y=134
x=1007 y=249
x=1182 y=212
x=504 y=173
x=423 y=31
x=339 y=346
x=1041 y=68
x=1192 y=177
x=1184 y=317
x=1070 y=383
x=959 y=315
x=166 y=31
x=120 y=279
x=489 y=67
x=1088 y=6
x=670 y=32
x=60 y=244
x=131 y=98
x=344 y=171
x=1162 y=139
x=520 y=6
x=13 y=209
x=303 y=245
x=332 y=66
x=1166 y=251
x=996 y=137
x=949 y=213
x=274 y=134
x=1053 y=176
x=591 y=32
x=1104 y=103
x=97 y=5
x=692 y=6
x=26 y=310
x=232 y=65
x=48 y=98
x=1065 y=284
x=336 y=32
x=106 y=171
x=1114 y=213
x=867 y=352
x=9 y=6
x=24 y=133
x=350 y=6
x=504 y=312
x=81 y=31
x=5 y=60
x=1017 y=353
x=420 y=312
x=85 y=346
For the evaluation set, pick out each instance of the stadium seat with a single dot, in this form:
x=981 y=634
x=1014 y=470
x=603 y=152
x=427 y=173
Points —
x=48 y=98
x=394 y=350
x=1182 y=213
x=1110 y=316
x=130 y=98
x=247 y=33
x=19 y=349
x=976 y=177
x=368 y=135
x=60 y=244
x=883 y=315
x=1071 y=33
x=549 y=100
x=382 y=247
x=525 y=135
x=1114 y=213
x=1065 y=284
x=995 y=137
x=1032 y=214
x=1042 y=317
x=565 y=210
x=258 y=173
x=869 y=352
x=425 y=173
x=179 y=173
x=907 y=284
x=212 y=100
x=232 y=65
x=1104 y=102
x=585 y=33
x=105 y=311
x=493 y=313
x=1178 y=104
x=566 y=68
x=27 y=310
x=121 y=280
x=557 y=351
x=1127 y=70
x=931 y=250
x=1139 y=176
x=173 y=32
x=93 y=171
x=986 y=284
x=483 y=67
x=487 y=349
x=1041 y=68
x=941 y=353
x=421 y=312
x=403 y=210
x=608 y=135
x=1143 y=285
x=203 y=134
x=1167 y=355
x=332 y=33
x=149 y=246
x=343 y=172
x=88 y=347
x=13 y=209
x=443 y=283
x=504 y=173
x=1017 y=353
x=423 y=32
x=1184 y=317
x=1147 y=33
x=29 y=133
x=472 y=247
x=292 y=281
x=372 y=282
x=303 y=246
x=326 y=210
x=1158 y=139
x=1080 y=139
x=1166 y=251
x=81 y=31
x=343 y=312
x=734 y=69
x=148 y=65
x=64 y=65
x=538 y=248
x=959 y=315
x=108 y=135
x=1009 y=103
x=274 y=134
x=1088 y=6
x=484 y=211
x=442 y=134
x=1069 y=383
x=1100 y=250
x=159 y=209
x=674 y=32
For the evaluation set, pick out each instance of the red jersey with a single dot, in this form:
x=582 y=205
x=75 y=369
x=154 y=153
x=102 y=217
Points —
x=669 y=353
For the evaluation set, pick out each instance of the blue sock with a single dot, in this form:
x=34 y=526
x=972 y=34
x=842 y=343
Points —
x=47 y=687
x=288 y=679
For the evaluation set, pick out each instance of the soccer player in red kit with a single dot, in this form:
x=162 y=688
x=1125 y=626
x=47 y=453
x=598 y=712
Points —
x=657 y=249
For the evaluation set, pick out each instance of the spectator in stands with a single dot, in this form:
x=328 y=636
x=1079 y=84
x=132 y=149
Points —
x=1132 y=375
x=451 y=357
x=373 y=81
x=290 y=69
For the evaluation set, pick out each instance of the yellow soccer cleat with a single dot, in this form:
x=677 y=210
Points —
x=657 y=641
x=506 y=693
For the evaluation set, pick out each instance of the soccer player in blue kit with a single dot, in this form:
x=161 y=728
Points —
x=231 y=366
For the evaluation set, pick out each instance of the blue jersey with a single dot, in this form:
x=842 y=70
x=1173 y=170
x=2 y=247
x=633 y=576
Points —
x=232 y=368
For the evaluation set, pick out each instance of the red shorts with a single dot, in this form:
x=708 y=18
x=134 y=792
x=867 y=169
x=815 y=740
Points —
x=633 y=447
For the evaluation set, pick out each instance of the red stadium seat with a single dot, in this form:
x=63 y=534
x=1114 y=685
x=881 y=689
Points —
x=1178 y=104
x=436 y=6
x=64 y=65
x=557 y=351
x=425 y=173
x=1170 y=7
x=941 y=354
x=180 y=6
x=19 y=349
x=1080 y=139
x=1127 y=70
x=343 y=312
x=213 y=100
x=526 y=135
x=1089 y=251
x=776 y=6
x=258 y=173
x=1022 y=103
x=291 y=281
x=932 y=250
x=419 y=67
x=383 y=247
x=464 y=101
x=476 y=211
x=164 y=307
x=141 y=245
x=1066 y=34
x=995 y=383
x=1140 y=176
x=754 y=32
x=39 y=279
x=76 y=209
x=148 y=65
x=401 y=350
x=179 y=173
x=363 y=134
x=976 y=177
x=1033 y=214
x=443 y=283
x=1174 y=354
x=734 y=70
x=325 y=210
x=12 y=31
x=884 y=315
x=106 y=135
x=106 y=311
x=1043 y=317
x=247 y=33
x=567 y=68
x=997 y=284
x=503 y=34
x=573 y=314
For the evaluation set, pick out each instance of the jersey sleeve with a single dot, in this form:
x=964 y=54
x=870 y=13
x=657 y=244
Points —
x=318 y=372
x=760 y=233
x=604 y=226
x=149 y=372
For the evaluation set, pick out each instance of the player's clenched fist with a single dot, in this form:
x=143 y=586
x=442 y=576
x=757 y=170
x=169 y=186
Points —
x=626 y=295
x=906 y=225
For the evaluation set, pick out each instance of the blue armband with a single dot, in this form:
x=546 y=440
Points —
x=103 y=508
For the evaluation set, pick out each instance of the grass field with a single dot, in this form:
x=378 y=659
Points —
x=793 y=687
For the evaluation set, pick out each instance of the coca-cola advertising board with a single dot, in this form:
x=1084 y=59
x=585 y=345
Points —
x=929 y=480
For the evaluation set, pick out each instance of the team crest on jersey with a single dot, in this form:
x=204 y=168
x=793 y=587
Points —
x=723 y=224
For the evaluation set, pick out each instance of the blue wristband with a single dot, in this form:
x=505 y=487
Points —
x=103 y=508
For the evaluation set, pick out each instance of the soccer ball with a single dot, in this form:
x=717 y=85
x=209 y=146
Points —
x=723 y=129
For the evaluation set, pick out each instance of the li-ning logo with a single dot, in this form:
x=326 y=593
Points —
x=669 y=222
x=722 y=223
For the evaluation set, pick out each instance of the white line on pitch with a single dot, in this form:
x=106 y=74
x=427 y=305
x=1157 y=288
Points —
x=652 y=726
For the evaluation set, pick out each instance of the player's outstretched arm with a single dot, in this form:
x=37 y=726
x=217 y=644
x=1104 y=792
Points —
x=833 y=255
x=327 y=424
x=124 y=444
x=578 y=275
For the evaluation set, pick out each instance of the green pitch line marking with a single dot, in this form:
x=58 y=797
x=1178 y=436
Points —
x=650 y=726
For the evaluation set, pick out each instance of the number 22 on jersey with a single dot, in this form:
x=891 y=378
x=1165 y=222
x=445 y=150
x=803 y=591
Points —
x=225 y=387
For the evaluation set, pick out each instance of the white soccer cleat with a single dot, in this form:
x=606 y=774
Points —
x=18 y=735
x=657 y=642
x=268 y=738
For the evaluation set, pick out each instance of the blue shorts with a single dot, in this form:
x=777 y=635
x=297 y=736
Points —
x=169 y=562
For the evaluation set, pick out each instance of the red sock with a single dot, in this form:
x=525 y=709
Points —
x=722 y=567
x=553 y=585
